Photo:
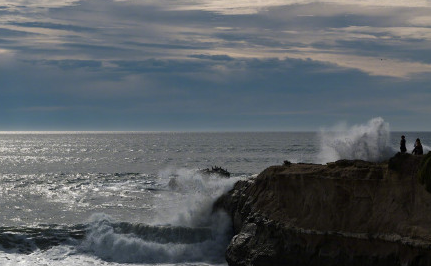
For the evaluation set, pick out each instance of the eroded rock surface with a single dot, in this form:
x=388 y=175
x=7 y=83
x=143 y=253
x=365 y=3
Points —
x=343 y=213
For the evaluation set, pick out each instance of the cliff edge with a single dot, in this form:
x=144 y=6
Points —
x=343 y=213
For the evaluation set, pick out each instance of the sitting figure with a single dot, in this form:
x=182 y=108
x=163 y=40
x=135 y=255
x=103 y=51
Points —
x=418 y=150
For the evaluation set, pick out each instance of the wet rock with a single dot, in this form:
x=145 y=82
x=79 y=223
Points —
x=215 y=170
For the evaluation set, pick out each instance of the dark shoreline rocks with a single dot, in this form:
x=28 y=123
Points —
x=215 y=170
x=343 y=213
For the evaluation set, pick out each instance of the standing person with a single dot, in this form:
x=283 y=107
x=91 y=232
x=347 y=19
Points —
x=403 y=144
x=418 y=150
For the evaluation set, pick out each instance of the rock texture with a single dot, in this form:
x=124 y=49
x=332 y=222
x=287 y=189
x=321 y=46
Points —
x=343 y=213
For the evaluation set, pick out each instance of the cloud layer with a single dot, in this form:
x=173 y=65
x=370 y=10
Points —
x=213 y=64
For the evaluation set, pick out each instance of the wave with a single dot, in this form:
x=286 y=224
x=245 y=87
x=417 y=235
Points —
x=185 y=229
x=368 y=142
x=127 y=243
x=120 y=241
x=26 y=240
x=164 y=233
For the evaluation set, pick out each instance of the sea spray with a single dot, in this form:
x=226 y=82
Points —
x=192 y=196
x=368 y=142
x=186 y=232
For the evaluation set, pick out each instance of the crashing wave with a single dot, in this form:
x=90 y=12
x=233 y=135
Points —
x=368 y=142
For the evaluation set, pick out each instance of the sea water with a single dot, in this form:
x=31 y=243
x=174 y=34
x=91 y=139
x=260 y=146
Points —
x=109 y=198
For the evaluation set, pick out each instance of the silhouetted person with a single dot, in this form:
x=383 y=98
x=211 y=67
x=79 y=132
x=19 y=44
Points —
x=403 y=144
x=418 y=150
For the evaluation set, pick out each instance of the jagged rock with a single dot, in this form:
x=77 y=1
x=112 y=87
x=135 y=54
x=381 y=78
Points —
x=344 y=213
x=215 y=170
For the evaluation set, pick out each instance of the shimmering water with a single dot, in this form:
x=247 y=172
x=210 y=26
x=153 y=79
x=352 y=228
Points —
x=81 y=198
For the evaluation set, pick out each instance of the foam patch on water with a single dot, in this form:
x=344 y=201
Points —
x=368 y=142
x=186 y=229
x=63 y=255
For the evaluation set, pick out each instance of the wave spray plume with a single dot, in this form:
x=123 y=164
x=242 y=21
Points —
x=368 y=142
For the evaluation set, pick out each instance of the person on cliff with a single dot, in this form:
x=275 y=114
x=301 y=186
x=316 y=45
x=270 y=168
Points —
x=418 y=150
x=403 y=144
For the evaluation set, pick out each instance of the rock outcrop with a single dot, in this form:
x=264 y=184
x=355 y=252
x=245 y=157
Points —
x=343 y=213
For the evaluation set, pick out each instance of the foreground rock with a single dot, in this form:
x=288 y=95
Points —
x=344 y=213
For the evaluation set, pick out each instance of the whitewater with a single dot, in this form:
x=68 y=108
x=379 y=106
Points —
x=117 y=198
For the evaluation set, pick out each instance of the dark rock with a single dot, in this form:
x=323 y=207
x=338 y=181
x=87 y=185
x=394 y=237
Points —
x=424 y=172
x=215 y=171
x=405 y=163
x=344 y=213
x=286 y=163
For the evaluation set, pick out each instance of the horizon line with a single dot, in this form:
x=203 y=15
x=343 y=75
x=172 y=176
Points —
x=35 y=132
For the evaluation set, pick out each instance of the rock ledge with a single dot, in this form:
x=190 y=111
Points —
x=343 y=213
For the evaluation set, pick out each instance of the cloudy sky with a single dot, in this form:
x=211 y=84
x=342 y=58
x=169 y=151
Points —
x=213 y=64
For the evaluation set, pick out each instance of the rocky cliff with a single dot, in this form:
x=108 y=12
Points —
x=343 y=213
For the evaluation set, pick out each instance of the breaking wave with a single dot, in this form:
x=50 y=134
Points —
x=128 y=243
x=186 y=231
x=368 y=142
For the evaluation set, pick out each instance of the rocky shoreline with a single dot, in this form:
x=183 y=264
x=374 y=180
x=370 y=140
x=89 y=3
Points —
x=343 y=213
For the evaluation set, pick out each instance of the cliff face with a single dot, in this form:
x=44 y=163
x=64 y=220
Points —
x=343 y=213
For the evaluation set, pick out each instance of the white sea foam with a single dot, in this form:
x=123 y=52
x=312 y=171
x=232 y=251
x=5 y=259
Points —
x=365 y=142
x=192 y=197
x=107 y=243
x=188 y=205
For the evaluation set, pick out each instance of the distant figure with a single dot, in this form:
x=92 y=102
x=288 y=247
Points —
x=403 y=144
x=418 y=150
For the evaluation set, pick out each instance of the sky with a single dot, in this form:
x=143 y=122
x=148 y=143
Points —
x=214 y=65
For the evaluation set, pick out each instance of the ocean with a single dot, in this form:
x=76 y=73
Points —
x=117 y=198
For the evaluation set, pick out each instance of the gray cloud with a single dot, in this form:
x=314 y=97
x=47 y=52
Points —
x=55 y=26
x=71 y=64
x=213 y=57
x=5 y=33
x=165 y=61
